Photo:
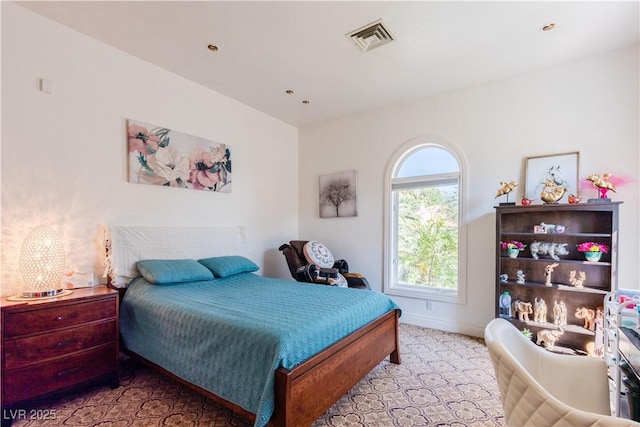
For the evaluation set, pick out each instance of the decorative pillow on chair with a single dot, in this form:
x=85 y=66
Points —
x=317 y=253
x=340 y=281
x=307 y=273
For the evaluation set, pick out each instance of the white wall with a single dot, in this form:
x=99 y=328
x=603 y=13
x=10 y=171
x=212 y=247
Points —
x=64 y=154
x=589 y=106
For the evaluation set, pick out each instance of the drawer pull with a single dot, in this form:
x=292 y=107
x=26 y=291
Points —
x=68 y=371
x=70 y=316
x=66 y=343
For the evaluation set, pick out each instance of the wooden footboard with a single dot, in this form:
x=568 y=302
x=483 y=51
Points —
x=307 y=391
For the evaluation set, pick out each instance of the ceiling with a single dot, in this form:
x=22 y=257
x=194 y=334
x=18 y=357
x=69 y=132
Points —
x=268 y=47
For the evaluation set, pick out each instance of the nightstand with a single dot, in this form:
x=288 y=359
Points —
x=55 y=344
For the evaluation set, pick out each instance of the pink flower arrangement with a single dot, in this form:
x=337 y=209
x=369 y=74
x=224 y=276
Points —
x=512 y=244
x=592 y=247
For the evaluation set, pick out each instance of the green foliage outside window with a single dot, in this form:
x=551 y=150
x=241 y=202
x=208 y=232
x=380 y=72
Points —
x=428 y=237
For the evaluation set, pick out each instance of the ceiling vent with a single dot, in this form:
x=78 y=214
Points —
x=371 y=36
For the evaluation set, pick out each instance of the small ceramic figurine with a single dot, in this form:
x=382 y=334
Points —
x=573 y=199
x=539 y=311
x=559 y=314
x=552 y=249
x=548 y=337
x=520 y=277
x=547 y=273
x=503 y=278
x=588 y=315
x=552 y=193
x=553 y=228
x=577 y=282
x=523 y=310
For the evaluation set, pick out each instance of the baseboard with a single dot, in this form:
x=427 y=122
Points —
x=427 y=322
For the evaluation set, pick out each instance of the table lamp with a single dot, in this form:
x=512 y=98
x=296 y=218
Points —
x=42 y=262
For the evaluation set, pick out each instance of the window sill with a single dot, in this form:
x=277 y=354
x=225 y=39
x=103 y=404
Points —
x=427 y=294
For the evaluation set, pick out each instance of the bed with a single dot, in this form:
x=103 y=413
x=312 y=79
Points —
x=278 y=352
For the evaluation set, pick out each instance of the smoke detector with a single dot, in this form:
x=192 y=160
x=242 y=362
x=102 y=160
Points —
x=371 y=36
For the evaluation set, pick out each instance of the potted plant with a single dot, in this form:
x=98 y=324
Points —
x=592 y=250
x=512 y=248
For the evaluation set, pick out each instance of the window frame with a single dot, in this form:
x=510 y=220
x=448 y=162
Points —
x=390 y=285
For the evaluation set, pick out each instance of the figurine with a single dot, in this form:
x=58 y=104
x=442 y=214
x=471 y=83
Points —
x=520 y=277
x=506 y=188
x=503 y=278
x=573 y=199
x=548 y=248
x=559 y=314
x=552 y=193
x=579 y=281
x=556 y=313
x=523 y=310
x=588 y=315
x=525 y=202
x=547 y=272
x=539 y=311
x=548 y=337
x=553 y=229
x=601 y=181
x=604 y=183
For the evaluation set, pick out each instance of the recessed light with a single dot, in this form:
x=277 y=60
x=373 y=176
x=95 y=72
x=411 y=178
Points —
x=212 y=48
x=549 y=27
x=306 y=101
x=289 y=92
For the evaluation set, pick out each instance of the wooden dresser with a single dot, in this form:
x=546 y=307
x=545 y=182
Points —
x=54 y=344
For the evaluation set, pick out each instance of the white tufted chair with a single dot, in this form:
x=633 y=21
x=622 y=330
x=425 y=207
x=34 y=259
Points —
x=540 y=388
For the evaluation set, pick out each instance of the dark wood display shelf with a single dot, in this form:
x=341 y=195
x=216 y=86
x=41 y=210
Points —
x=597 y=222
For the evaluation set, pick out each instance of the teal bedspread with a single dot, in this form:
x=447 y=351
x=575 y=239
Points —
x=229 y=335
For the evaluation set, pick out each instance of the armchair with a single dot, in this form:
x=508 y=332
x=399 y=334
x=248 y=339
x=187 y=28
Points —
x=540 y=388
x=310 y=261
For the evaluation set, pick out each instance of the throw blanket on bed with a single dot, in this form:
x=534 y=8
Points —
x=229 y=335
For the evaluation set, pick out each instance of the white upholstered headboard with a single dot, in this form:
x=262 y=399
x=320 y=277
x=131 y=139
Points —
x=127 y=245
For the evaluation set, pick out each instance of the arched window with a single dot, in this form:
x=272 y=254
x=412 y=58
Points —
x=424 y=238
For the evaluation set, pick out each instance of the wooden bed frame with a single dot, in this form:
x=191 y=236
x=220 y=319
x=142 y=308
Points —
x=305 y=392
x=302 y=394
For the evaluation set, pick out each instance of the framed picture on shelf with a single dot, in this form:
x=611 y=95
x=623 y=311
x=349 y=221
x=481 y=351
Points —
x=560 y=170
x=539 y=229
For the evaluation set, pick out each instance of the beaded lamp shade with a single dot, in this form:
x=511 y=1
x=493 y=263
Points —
x=42 y=263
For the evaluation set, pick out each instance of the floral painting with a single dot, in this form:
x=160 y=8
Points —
x=161 y=156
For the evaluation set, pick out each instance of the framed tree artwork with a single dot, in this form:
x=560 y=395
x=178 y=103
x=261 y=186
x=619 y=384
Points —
x=337 y=195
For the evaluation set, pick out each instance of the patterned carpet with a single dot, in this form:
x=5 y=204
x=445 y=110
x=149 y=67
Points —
x=444 y=380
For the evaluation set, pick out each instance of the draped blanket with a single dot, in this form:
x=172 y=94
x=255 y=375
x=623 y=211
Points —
x=229 y=335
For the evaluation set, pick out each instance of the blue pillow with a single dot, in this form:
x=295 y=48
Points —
x=224 y=266
x=163 y=271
